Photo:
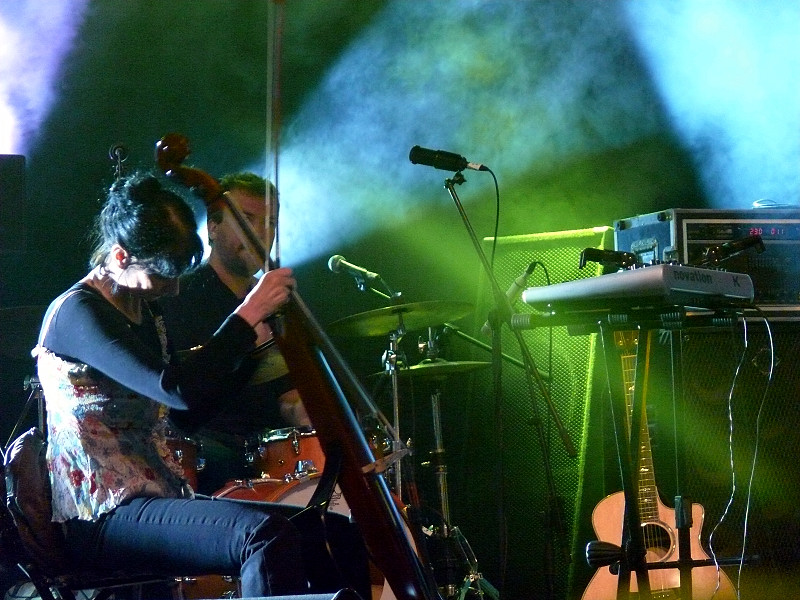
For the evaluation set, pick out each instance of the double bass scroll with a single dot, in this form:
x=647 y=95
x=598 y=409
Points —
x=329 y=389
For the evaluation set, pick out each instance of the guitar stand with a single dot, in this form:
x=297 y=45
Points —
x=631 y=556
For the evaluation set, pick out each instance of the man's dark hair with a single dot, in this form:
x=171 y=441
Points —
x=246 y=181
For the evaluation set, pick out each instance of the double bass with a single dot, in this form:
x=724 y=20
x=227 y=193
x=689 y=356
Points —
x=329 y=389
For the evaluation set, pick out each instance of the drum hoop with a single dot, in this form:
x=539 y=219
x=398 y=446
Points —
x=280 y=435
x=239 y=484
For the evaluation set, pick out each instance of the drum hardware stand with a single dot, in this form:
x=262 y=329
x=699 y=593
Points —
x=389 y=359
x=390 y=364
x=453 y=545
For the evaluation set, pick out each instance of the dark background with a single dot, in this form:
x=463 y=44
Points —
x=586 y=112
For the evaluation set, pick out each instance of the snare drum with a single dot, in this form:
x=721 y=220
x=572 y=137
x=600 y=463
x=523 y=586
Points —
x=287 y=454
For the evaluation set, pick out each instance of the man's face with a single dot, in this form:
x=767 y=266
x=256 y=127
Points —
x=226 y=241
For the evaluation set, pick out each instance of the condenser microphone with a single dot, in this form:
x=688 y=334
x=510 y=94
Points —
x=338 y=264
x=717 y=254
x=618 y=258
x=513 y=293
x=441 y=159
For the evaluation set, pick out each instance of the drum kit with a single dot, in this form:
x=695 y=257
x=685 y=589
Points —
x=454 y=566
x=445 y=548
x=287 y=463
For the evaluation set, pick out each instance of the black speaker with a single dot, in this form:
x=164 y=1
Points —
x=524 y=539
x=730 y=440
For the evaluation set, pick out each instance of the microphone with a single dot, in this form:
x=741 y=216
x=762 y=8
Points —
x=338 y=264
x=607 y=257
x=716 y=254
x=513 y=293
x=440 y=159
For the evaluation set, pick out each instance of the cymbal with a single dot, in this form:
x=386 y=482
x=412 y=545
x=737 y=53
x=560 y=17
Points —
x=414 y=315
x=437 y=369
x=19 y=330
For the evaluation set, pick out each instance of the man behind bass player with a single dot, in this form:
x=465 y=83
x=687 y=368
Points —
x=267 y=399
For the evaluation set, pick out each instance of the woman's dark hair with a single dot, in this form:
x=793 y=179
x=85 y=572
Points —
x=155 y=225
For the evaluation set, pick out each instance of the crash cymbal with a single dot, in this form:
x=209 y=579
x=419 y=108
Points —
x=437 y=369
x=414 y=315
x=19 y=330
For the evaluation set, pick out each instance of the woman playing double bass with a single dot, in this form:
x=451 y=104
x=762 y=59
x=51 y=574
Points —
x=104 y=363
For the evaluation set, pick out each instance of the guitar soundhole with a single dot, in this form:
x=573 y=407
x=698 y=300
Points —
x=657 y=541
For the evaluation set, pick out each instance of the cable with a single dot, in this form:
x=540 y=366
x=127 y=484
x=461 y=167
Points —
x=731 y=461
x=770 y=375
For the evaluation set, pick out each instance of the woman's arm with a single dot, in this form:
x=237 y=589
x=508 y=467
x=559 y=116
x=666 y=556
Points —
x=89 y=329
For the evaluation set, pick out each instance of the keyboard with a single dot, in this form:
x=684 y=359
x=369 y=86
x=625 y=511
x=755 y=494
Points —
x=646 y=287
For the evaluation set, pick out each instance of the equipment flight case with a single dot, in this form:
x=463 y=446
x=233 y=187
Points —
x=683 y=235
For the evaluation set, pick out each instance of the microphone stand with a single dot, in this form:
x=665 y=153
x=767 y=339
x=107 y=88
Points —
x=501 y=313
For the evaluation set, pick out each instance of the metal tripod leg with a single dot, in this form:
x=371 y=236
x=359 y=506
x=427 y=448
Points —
x=438 y=462
x=452 y=536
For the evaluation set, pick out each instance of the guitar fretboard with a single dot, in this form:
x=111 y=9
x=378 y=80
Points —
x=647 y=492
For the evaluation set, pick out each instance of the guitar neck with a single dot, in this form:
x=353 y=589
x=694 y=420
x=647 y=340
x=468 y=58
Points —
x=647 y=493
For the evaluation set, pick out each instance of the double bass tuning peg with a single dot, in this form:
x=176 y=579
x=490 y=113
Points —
x=118 y=154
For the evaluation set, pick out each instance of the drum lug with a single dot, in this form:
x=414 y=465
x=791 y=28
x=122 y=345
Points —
x=306 y=467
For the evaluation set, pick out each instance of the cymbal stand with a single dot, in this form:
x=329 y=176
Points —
x=439 y=465
x=451 y=536
x=390 y=358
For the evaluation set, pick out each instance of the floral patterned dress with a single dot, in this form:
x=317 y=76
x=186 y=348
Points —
x=108 y=388
x=105 y=443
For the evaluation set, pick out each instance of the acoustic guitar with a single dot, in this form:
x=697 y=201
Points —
x=658 y=520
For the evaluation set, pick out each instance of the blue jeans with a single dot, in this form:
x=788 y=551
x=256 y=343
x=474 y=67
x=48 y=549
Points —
x=177 y=537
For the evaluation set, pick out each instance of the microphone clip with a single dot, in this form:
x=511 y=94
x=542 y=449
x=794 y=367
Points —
x=457 y=179
x=361 y=282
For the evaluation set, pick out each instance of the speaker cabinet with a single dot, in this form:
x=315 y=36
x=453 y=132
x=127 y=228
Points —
x=523 y=532
x=529 y=539
x=736 y=423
